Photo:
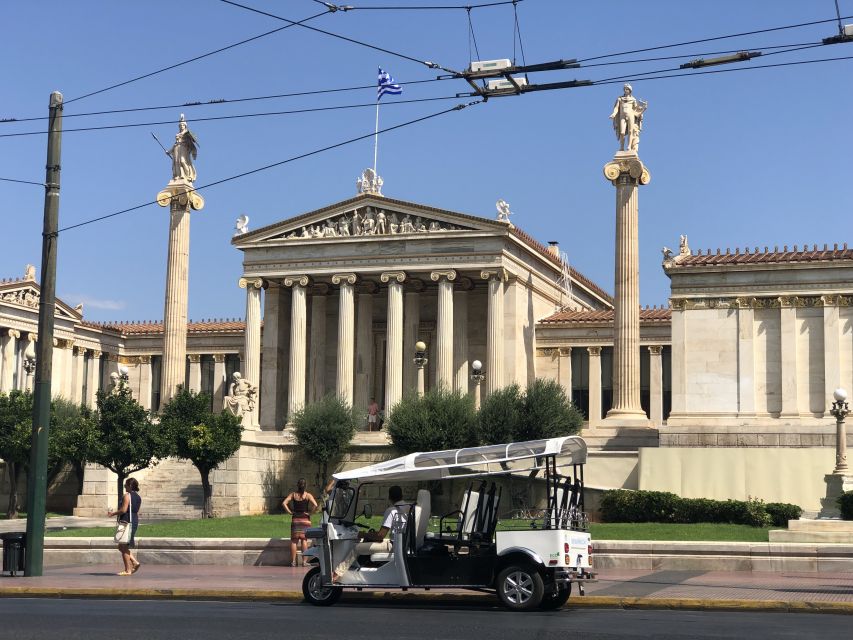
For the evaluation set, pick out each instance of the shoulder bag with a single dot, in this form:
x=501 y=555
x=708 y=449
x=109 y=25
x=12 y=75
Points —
x=124 y=529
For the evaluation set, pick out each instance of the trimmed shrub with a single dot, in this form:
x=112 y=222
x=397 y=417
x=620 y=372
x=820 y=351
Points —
x=499 y=419
x=659 y=506
x=547 y=412
x=323 y=430
x=781 y=512
x=439 y=419
x=845 y=505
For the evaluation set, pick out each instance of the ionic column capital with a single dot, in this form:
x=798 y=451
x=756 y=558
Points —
x=447 y=274
x=33 y=337
x=655 y=349
x=12 y=333
x=831 y=300
x=144 y=359
x=219 y=357
x=627 y=170
x=296 y=281
x=494 y=274
x=594 y=352
x=344 y=278
x=565 y=352
x=195 y=358
x=81 y=351
x=96 y=354
x=251 y=283
x=398 y=277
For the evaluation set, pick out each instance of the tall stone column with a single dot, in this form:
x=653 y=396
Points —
x=92 y=379
x=788 y=326
x=8 y=360
x=346 y=336
x=364 y=346
x=594 y=386
x=180 y=200
x=411 y=330
x=394 y=339
x=252 y=338
x=746 y=357
x=77 y=377
x=145 y=382
x=495 y=329
x=317 y=349
x=194 y=383
x=679 y=357
x=444 y=328
x=460 y=334
x=656 y=385
x=298 y=344
x=831 y=350
x=564 y=369
x=220 y=384
x=275 y=340
x=627 y=173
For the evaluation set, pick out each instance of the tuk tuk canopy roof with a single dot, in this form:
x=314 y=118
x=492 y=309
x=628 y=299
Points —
x=494 y=459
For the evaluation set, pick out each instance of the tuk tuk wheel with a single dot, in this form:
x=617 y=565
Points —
x=556 y=598
x=520 y=587
x=314 y=591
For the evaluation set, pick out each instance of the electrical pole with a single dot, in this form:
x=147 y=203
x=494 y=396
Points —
x=37 y=477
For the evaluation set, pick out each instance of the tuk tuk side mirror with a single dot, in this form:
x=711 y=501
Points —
x=367 y=510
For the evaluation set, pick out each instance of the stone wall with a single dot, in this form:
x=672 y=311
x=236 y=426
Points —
x=61 y=494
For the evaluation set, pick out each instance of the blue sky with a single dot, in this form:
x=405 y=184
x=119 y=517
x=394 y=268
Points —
x=745 y=158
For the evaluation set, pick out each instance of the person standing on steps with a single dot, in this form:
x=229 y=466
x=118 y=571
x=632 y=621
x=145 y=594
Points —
x=128 y=511
x=300 y=505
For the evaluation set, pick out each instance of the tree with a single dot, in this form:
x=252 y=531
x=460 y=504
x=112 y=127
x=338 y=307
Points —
x=197 y=434
x=16 y=420
x=547 y=412
x=126 y=440
x=500 y=416
x=72 y=437
x=439 y=419
x=324 y=429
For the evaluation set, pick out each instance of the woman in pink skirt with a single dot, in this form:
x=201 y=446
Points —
x=300 y=505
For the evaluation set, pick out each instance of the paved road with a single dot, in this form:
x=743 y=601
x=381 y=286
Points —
x=24 y=619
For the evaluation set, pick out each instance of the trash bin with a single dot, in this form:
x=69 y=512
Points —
x=14 y=546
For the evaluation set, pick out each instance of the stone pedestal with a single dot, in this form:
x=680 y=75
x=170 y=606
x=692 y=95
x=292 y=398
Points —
x=836 y=484
x=180 y=198
x=627 y=172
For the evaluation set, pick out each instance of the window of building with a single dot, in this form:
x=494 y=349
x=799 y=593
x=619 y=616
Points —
x=606 y=380
x=207 y=381
x=156 y=369
x=580 y=380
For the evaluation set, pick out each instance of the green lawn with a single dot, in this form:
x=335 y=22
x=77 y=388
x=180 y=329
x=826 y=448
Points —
x=278 y=526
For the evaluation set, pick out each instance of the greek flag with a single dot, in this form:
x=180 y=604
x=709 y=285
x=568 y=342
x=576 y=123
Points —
x=386 y=85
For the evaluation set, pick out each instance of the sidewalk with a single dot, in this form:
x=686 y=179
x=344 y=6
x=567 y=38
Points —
x=741 y=590
x=62 y=522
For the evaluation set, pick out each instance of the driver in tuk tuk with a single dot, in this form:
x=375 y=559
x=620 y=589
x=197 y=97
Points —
x=395 y=516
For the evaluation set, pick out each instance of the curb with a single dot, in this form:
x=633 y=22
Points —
x=583 y=602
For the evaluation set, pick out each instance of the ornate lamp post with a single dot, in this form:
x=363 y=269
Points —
x=420 y=363
x=477 y=377
x=840 y=480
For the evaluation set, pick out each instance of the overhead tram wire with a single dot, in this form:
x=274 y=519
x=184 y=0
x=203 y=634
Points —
x=196 y=58
x=458 y=107
x=427 y=63
x=236 y=116
x=482 y=5
x=38 y=184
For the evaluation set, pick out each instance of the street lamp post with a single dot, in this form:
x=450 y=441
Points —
x=840 y=480
x=420 y=362
x=477 y=377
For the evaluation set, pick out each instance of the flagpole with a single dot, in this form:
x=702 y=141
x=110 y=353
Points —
x=376 y=137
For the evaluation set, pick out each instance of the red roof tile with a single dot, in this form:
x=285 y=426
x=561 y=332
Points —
x=767 y=256
x=646 y=315
x=153 y=328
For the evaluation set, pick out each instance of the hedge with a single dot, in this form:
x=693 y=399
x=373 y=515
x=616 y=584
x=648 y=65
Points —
x=845 y=505
x=621 y=505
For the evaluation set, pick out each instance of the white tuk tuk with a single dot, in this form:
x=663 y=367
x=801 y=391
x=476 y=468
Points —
x=529 y=559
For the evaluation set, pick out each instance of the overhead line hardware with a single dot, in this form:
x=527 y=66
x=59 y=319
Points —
x=845 y=34
x=708 y=62
x=504 y=82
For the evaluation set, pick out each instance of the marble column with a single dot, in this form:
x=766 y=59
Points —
x=495 y=329
x=679 y=356
x=346 y=336
x=298 y=344
x=460 y=334
x=194 y=383
x=91 y=399
x=275 y=346
x=656 y=385
x=394 y=339
x=145 y=382
x=364 y=347
x=317 y=349
x=444 y=328
x=8 y=360
x=220 y=384
x=411 y=330
x=252 y=338
x=564 y=369
x=831 y=350
x=788 y=330
x=180 y=201
x=746 y=357
x=77 y=377
x=594 y=386
x=627 y=173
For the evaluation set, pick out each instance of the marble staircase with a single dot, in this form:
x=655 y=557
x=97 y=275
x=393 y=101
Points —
x=172 y=491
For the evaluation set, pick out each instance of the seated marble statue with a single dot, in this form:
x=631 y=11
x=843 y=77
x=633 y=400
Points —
x=241 y=396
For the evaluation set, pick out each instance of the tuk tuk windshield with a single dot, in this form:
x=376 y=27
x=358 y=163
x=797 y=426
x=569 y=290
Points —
x=340 y=501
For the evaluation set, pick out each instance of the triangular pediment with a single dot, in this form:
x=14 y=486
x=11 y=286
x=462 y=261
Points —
x=369 y=216
x=27 y=293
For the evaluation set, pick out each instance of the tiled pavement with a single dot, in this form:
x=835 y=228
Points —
x=630 y=588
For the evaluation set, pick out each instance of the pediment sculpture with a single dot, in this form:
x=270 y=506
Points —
x=370 y=221
x=24 y=297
